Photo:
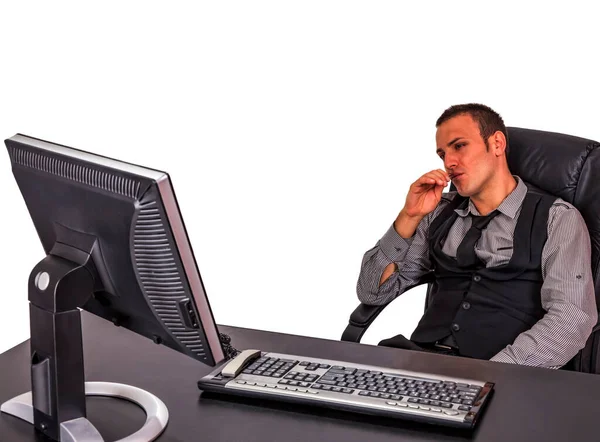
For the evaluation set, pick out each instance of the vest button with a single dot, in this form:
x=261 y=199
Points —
x=455 y=327
x=466 y=305
x=476 y=278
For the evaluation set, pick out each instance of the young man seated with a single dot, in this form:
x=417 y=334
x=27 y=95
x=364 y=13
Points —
x=512 y=268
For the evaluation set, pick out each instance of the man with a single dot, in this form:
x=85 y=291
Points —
x=512 y=268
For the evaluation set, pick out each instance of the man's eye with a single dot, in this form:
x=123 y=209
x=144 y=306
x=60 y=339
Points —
x=458 y=145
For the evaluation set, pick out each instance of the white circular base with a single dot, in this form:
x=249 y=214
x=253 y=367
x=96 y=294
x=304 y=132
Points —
x=81 y=430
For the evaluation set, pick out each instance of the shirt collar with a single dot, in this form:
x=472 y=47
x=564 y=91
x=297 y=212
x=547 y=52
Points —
x=508 y=207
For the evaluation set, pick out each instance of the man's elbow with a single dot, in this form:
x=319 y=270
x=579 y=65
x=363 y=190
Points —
x=585 y=326
x=592 y=321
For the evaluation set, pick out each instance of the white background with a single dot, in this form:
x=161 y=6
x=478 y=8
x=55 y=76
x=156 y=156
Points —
x=291 y=130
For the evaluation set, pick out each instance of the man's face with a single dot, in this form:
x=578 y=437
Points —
x=466 y=157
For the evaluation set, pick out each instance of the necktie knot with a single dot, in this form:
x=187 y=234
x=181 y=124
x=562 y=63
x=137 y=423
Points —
x=480 y=222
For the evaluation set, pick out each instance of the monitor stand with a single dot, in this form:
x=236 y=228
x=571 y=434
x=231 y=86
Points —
x=56 y=405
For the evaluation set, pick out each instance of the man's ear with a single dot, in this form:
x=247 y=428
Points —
x=498 y=143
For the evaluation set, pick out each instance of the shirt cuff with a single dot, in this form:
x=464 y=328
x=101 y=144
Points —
x=393 y=246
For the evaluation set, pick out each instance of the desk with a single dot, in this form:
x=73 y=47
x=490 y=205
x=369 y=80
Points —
x=525 y=407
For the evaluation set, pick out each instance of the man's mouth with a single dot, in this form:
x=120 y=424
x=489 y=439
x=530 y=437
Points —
x=454 y=175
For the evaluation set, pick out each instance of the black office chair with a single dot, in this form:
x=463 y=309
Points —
x=558 y=164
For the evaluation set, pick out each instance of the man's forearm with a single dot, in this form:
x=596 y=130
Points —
x=552 y=342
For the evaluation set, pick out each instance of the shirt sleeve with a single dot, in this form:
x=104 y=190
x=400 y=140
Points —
x=567 y=296
x=411 y=256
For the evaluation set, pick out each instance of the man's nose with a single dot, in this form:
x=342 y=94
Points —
x=450 y=161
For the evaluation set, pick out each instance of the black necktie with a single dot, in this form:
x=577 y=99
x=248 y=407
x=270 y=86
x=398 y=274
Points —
x=465 y=254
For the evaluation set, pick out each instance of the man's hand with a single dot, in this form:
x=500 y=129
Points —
x=423 y=197
x=425 y=194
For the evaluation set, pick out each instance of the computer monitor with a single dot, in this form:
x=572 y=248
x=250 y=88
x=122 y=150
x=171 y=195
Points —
x=117 y=247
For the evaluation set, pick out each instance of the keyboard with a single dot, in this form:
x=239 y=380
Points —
x=366 y=389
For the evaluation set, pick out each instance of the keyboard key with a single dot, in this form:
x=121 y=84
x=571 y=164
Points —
x=464 y=408
x=326 y=382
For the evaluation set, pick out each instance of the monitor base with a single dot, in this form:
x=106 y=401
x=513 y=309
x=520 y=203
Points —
x=82 y=430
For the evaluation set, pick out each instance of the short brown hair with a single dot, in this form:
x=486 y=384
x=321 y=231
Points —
x=489 y=121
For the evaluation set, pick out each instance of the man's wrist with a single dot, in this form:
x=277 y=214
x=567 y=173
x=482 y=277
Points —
x=406 y=225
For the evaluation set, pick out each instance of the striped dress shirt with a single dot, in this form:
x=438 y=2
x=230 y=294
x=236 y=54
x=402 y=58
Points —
x=567 y=294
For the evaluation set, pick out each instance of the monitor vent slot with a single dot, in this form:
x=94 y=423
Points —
x=160 y=278
x=75 y=172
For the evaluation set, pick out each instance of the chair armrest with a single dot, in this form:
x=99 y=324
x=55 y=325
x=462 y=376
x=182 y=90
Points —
x=360 y=319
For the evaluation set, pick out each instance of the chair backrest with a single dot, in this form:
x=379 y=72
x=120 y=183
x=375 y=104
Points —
x=565 y=166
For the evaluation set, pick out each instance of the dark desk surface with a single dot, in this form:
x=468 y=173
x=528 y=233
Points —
x=530 y=404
